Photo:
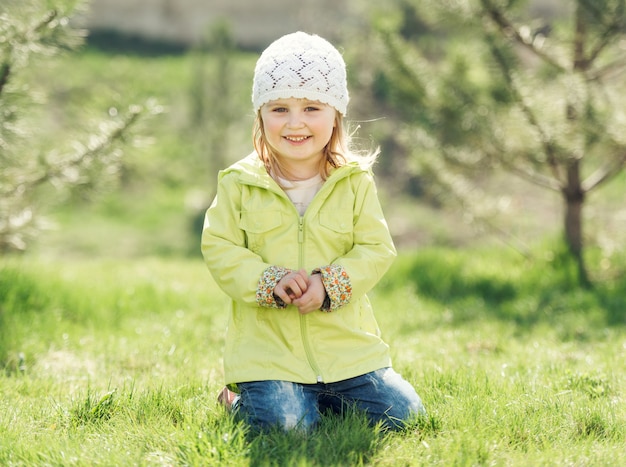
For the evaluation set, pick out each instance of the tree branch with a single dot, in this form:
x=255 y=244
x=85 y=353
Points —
x=604 y=173
x=6 y=68
x=533 y=177
x=460 y=189
x=398 y=57
x=605 y=41
x=509 y=30
x=104 y=141
x=614 y=66
x=548 y=146
x=614 y=26
x=5 y=71
x=45 y=21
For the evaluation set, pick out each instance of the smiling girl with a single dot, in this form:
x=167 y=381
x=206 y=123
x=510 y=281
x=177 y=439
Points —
x=296 y=237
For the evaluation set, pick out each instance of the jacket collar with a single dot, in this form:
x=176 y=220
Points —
x=252 y=171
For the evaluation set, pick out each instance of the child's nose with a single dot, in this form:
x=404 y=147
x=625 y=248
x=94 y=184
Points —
x=295 y=119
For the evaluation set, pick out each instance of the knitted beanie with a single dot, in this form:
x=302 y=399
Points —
x=301 y=65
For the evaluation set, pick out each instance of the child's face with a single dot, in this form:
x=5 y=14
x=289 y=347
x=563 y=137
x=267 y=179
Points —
x=298 y=130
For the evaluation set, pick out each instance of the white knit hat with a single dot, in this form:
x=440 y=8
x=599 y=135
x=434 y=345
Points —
x=301 y=65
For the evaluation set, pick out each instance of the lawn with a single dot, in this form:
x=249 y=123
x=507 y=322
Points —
x=118 y=362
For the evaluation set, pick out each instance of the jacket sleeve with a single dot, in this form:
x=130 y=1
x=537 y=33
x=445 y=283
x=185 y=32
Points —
x=373 y=250
x=239 y=272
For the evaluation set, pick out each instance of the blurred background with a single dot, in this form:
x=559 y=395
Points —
x=117 y=115
x=185 y=22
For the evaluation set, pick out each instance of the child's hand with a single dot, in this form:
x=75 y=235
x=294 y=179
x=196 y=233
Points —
x=292 y=286
x=314 y=296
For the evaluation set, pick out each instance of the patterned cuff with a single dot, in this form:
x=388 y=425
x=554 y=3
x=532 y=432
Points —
x=337 y=284
x=265 y=290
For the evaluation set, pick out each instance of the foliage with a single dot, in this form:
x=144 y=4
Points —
x=489 y=85
x=158 y=197
x=121 y=364
x=40 y=170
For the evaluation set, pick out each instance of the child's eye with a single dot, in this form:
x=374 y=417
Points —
x=279 y=109
x=311 y=108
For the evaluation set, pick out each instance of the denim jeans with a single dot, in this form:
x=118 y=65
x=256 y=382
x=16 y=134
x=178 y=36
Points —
x=383 y=395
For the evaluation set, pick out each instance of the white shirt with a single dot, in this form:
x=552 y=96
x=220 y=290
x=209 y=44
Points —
x=302 y=192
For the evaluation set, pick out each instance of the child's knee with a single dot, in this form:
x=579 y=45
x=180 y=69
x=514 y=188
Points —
x=276 y=404
x=402 y=399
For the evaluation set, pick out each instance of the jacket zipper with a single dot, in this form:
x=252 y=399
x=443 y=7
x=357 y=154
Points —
x=303 y=318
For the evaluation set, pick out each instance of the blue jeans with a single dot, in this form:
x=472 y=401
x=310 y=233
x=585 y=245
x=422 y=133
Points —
x=383 y=395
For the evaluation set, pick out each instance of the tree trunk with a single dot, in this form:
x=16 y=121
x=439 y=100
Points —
x=574 y=197
x=573 y=192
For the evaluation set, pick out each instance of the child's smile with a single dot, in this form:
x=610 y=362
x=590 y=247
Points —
x=298 y=130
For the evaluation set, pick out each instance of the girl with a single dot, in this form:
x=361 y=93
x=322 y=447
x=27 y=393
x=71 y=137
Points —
x=296 y=237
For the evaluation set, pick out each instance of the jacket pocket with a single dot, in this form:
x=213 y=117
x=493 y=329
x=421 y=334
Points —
x=340 y=224
x=257 y=224
x=339 y=220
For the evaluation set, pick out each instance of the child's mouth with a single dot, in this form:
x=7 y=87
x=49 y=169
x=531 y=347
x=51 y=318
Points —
x=296 y=139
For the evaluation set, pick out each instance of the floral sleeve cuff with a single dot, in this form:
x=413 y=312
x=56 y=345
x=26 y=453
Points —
x=337 y=284
x=265 y=290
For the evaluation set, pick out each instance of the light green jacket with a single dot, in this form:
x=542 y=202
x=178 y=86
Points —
x=252 y=227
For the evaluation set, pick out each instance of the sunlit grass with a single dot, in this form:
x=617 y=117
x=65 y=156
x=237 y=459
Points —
x=118 y=362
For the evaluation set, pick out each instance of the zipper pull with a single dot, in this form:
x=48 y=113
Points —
x=301 y=230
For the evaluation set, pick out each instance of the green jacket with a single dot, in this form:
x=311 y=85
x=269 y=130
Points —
x=253 y=235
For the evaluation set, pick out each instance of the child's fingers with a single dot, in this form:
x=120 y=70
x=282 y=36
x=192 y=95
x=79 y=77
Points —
x=314 y=297
x=297 y=284
x=292 y=286
x=304 y=275
x=281 y=293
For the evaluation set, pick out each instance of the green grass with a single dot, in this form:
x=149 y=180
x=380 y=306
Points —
x=118 y=362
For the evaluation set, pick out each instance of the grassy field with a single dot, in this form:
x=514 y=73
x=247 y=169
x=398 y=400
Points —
x=117 y=362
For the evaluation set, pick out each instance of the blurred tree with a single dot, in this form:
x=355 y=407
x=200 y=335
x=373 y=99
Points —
x=36 y=173
x=493 y=86
x=213 y=111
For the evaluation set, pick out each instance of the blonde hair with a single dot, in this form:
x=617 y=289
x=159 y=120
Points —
x=337 y=152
